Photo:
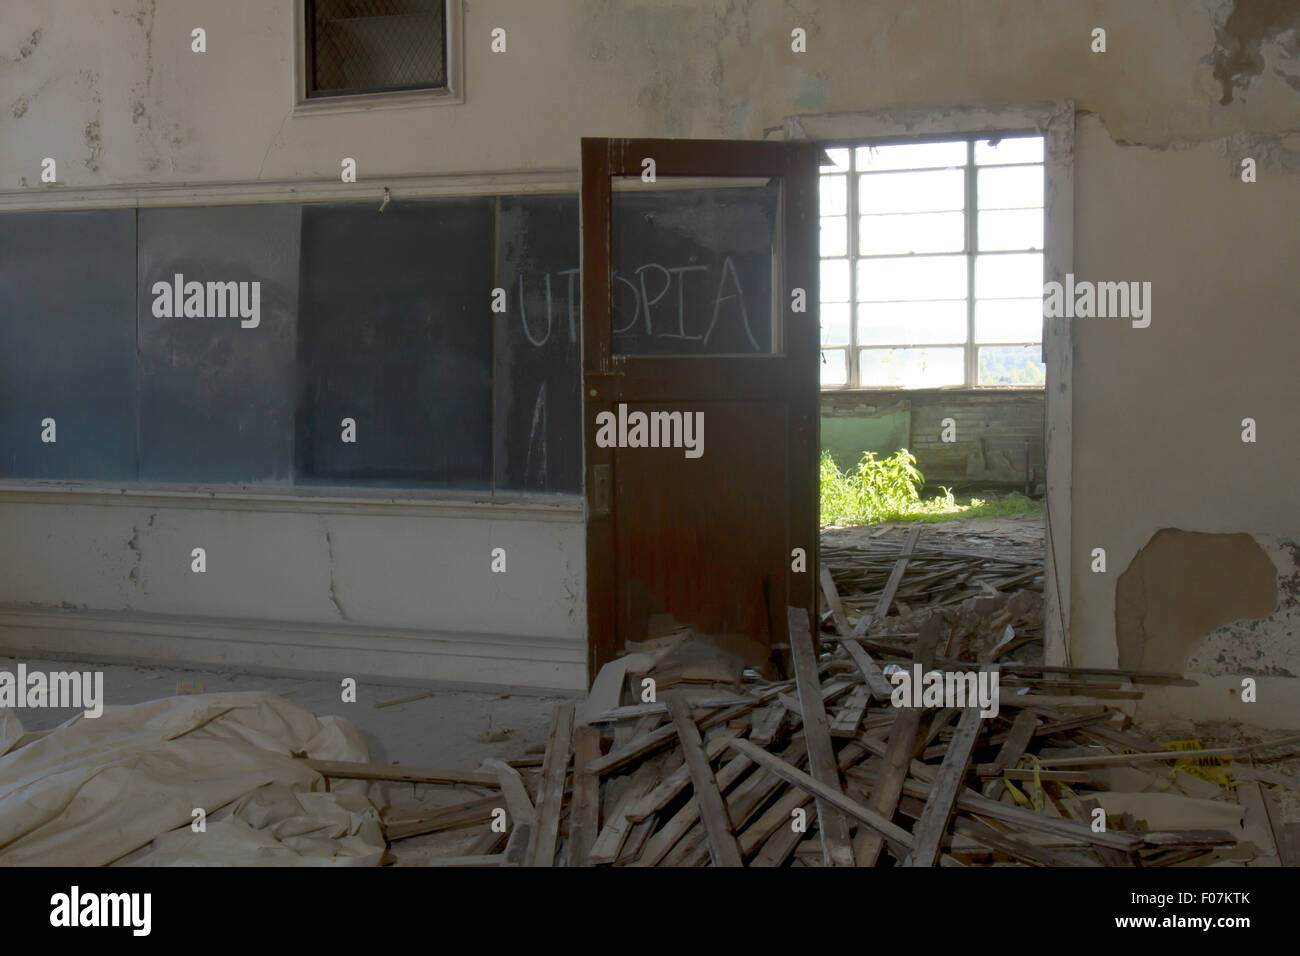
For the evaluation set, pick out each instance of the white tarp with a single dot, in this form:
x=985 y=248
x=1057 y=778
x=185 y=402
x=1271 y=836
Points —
x=123 y=787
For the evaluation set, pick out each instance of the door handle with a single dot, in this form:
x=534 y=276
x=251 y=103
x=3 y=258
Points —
x=600 y=490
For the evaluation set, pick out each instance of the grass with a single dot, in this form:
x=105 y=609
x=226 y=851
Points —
x=883 y=490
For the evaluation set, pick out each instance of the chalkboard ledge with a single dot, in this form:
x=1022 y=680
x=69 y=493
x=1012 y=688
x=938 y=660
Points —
x=550 y=507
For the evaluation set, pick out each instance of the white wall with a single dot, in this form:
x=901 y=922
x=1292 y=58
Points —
x=118 y=98
x=401 y=590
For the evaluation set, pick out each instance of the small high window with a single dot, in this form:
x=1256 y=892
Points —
x=362 y=52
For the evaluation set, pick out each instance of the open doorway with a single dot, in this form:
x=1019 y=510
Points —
x=933 y=465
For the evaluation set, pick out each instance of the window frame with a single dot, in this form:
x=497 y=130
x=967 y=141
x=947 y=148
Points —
x=452 y=94
x=851 y=352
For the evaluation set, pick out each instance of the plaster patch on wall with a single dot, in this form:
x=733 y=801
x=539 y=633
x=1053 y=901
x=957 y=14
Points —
x=1187 y=593
x=1241 y=29
x=1266 y=647
x=1270 y=151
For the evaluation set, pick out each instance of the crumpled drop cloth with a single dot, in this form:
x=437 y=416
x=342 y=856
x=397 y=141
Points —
x=122 y=788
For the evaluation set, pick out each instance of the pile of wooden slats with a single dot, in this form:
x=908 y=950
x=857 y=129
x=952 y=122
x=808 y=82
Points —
x=927 y=577
x=824 y=769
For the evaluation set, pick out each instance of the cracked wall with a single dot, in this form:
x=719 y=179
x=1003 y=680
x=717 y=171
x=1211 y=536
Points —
x=139 y=106
x=1187 y=89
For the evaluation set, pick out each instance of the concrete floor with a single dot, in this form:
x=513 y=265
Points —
x=442 y=730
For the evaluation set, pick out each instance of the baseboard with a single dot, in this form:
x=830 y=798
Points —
x=544 y=663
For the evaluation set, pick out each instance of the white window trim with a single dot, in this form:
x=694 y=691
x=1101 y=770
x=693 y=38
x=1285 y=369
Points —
x=849 y=354
x=1055 y=120
x=453 y=94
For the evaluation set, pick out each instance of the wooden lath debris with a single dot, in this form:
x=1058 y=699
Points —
x=823 y=769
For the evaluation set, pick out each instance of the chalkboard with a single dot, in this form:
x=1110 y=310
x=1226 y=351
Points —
x=538 y=440
x=693 y=271
x=216 y=387
x=334 y=344
x=67 y=345
x=395 y=333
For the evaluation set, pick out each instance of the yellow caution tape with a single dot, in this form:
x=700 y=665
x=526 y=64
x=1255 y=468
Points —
x=1217 y=770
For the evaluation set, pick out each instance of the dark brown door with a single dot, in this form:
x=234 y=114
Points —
x=700 y=390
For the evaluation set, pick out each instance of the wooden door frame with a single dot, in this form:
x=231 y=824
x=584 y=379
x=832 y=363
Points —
x=795 y=165
x=1055 y=120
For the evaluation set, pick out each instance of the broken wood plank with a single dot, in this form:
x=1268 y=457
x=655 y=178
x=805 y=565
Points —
x=1133 y=676
x=584 y=812
x=409 y=698
x=783 y=842
x=1018 y=849
x=828 y=795
x=943 y=795
x=902 y=745
x=767 y=723
x=1099 y=759
x=833 y=600
x=457 y=816
x=969 y=801
x=523 y=816
x=609 y=843
x=891 y=586
x=1013 y=748
x=347 y=770
x=676 y=782
x=658 y=846
x=834 y=827
x=881 y=689
x=847 y=719
x=713 y=812
x=555 y=767
x=1026 y=773
x=489 y=859
x=662 y=737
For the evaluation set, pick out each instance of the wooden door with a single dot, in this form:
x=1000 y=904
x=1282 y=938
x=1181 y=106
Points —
x=700 y=390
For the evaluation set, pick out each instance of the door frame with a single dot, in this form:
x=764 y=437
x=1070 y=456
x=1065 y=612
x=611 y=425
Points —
x=796 y=341
x=1055 y=120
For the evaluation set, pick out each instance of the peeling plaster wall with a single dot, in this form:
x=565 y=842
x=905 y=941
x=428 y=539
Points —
x=1186 y=89
x=112 y=90
x=1184 y=585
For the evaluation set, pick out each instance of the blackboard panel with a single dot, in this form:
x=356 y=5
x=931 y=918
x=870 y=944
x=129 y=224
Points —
x=538 y=441
x=67 y=344
x=395 y=332
x=216 y=398
x=693 y=271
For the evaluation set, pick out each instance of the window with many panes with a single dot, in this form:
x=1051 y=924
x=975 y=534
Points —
x=932 y=263
x=358 y=47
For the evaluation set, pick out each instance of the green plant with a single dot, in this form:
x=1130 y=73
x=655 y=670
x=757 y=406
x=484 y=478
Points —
x=879 y=490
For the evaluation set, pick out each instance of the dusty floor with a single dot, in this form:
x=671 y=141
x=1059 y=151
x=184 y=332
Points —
x=442 y=730
x=461 y=728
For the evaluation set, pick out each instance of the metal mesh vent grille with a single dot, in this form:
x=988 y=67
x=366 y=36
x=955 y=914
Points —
x=374 y=46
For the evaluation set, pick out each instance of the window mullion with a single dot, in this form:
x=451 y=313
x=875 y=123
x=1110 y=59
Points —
x=972 y=204
x=852 y=211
